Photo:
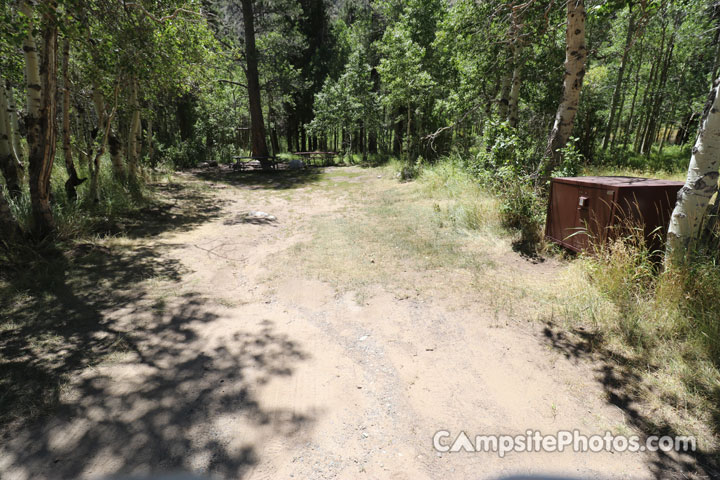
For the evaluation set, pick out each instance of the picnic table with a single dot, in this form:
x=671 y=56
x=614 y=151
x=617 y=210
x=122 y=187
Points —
x=255 y=161
x=326 y=157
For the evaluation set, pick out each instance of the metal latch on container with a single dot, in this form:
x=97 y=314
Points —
x=583 y=202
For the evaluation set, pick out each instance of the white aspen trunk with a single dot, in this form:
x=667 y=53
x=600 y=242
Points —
x=133 y=149
x=575 y=58
x=15 y=127
x=32 y=66
x=33 y=85
x=514 y=98
x=701 y=184
x=9 y=164
x=41 y=123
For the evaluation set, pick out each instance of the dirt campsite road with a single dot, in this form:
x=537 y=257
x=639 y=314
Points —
x=330 y=340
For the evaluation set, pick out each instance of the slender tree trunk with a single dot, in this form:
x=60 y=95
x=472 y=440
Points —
x=504 y=100
x=644 y=112
x=274 y=143
x=619 y=82
x=135 y=132
x=99 y=103
x=700 y=186
x=73 y=180
x=257 y=125
x=517 y=61
x=42 y=108
x=408 y=137
x=9 y=164
x=628 y=125
x=575 y=58
x=15 y=127
x=397 y=137
x=150 y=141
x=659 y=96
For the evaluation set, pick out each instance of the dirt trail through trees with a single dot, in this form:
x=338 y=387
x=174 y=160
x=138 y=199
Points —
x=252 y=360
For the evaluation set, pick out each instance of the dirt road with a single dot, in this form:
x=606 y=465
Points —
x=310 y=344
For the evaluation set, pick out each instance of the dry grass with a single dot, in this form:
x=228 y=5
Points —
x=660 y=328
x=439 y=235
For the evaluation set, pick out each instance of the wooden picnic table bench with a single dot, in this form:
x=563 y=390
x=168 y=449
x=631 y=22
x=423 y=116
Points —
x=324 y=156
x=240 y=165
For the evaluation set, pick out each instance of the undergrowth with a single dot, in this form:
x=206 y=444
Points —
x=662 y=325
x=83 y=216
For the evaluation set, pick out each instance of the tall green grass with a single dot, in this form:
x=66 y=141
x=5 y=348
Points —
x=81 y=217
x=664 y=324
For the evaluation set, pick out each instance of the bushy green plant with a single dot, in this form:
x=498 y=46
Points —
x=572 y=160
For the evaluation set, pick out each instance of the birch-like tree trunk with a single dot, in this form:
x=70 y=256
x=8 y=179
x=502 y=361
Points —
x=514 y=98
x=701 y=184
x=15 y=127
x=42 y=108
x=73 y=180
x=575 y=58
x=9 y=164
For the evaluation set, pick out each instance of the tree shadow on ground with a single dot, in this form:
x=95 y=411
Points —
x=93 y=307
x=261 y=180
x=623 y=386
x=180 y=207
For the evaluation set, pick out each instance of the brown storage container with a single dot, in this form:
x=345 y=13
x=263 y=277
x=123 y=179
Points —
x=579 y=206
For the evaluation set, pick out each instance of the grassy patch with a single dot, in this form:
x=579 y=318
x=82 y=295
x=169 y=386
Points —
x=660 y=330
x=405 y=236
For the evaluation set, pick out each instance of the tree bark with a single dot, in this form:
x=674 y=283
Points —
x=9 y=163
x=619 y=83
x=659 y=96
x=700 y=186
x=628 y=125
x=73 y=180
x=514 y=99
x=575 y=58
x=257 y=125
x=134 y=132
x=15 y=127
x=42 y=108
x=149 y=141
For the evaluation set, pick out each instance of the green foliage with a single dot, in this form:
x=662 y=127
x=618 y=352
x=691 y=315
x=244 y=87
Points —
x=572 y=160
